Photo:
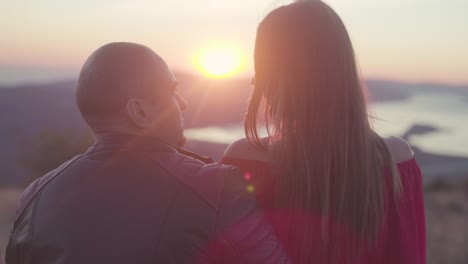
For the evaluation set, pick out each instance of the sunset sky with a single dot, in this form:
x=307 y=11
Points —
x=409 y=40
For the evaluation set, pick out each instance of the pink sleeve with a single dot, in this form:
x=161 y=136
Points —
x=419 y=213
x=408 y=235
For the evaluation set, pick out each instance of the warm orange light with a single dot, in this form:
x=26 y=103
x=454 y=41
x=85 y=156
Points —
x=220 y=60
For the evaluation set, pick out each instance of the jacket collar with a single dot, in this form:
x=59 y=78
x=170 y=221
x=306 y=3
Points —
x=130 y=142
x=120 y=142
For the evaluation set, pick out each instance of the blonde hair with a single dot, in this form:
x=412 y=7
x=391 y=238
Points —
x=325 y=154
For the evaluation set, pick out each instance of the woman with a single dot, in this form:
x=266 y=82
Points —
x=335 y=191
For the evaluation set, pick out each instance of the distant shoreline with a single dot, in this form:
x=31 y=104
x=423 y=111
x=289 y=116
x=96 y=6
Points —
x=434 y=167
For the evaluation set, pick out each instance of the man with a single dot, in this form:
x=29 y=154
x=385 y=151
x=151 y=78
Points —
x=134 y=197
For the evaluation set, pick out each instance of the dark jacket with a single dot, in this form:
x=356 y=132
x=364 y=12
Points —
x=135 y=200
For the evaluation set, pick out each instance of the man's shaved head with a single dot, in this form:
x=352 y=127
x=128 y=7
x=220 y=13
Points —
x=116 y=72
x=127 y=88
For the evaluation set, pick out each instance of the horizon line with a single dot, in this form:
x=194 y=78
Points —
x=70 y=76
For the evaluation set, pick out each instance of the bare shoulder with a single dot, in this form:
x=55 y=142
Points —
x=399 y=149
x=242 y=149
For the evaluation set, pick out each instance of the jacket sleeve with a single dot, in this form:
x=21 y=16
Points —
x=244 y=234
x=19 y=232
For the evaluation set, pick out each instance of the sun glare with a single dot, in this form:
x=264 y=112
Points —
x=218 y=61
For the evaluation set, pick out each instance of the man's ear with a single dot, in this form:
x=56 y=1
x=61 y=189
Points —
x=136 y=112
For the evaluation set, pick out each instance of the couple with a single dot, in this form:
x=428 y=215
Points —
x=327 y=188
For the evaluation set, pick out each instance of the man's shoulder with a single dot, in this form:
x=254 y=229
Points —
x=215 y=182
x=35 y=187
x=209 y=181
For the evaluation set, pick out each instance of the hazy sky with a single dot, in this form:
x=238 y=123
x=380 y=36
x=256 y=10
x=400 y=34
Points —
x=412 y=40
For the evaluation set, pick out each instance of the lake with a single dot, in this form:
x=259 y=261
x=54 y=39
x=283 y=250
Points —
x=447 y=113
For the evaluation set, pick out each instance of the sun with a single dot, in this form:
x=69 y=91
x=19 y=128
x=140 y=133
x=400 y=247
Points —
x=220 y=60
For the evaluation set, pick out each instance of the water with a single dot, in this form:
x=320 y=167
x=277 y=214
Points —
x=446 y=112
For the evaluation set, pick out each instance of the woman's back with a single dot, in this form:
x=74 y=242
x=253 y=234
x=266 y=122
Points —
x=402 y=235
x=331 y=185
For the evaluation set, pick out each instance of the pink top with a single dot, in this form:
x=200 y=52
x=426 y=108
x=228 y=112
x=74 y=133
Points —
x=402 y=239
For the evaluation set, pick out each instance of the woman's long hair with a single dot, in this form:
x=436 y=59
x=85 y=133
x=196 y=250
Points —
x=327 y=159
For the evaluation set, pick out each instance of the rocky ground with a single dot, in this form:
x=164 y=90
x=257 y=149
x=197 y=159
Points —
x=447 y=223
x=446 y=218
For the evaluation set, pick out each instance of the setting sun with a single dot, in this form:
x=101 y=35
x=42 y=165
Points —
x=220 y=60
